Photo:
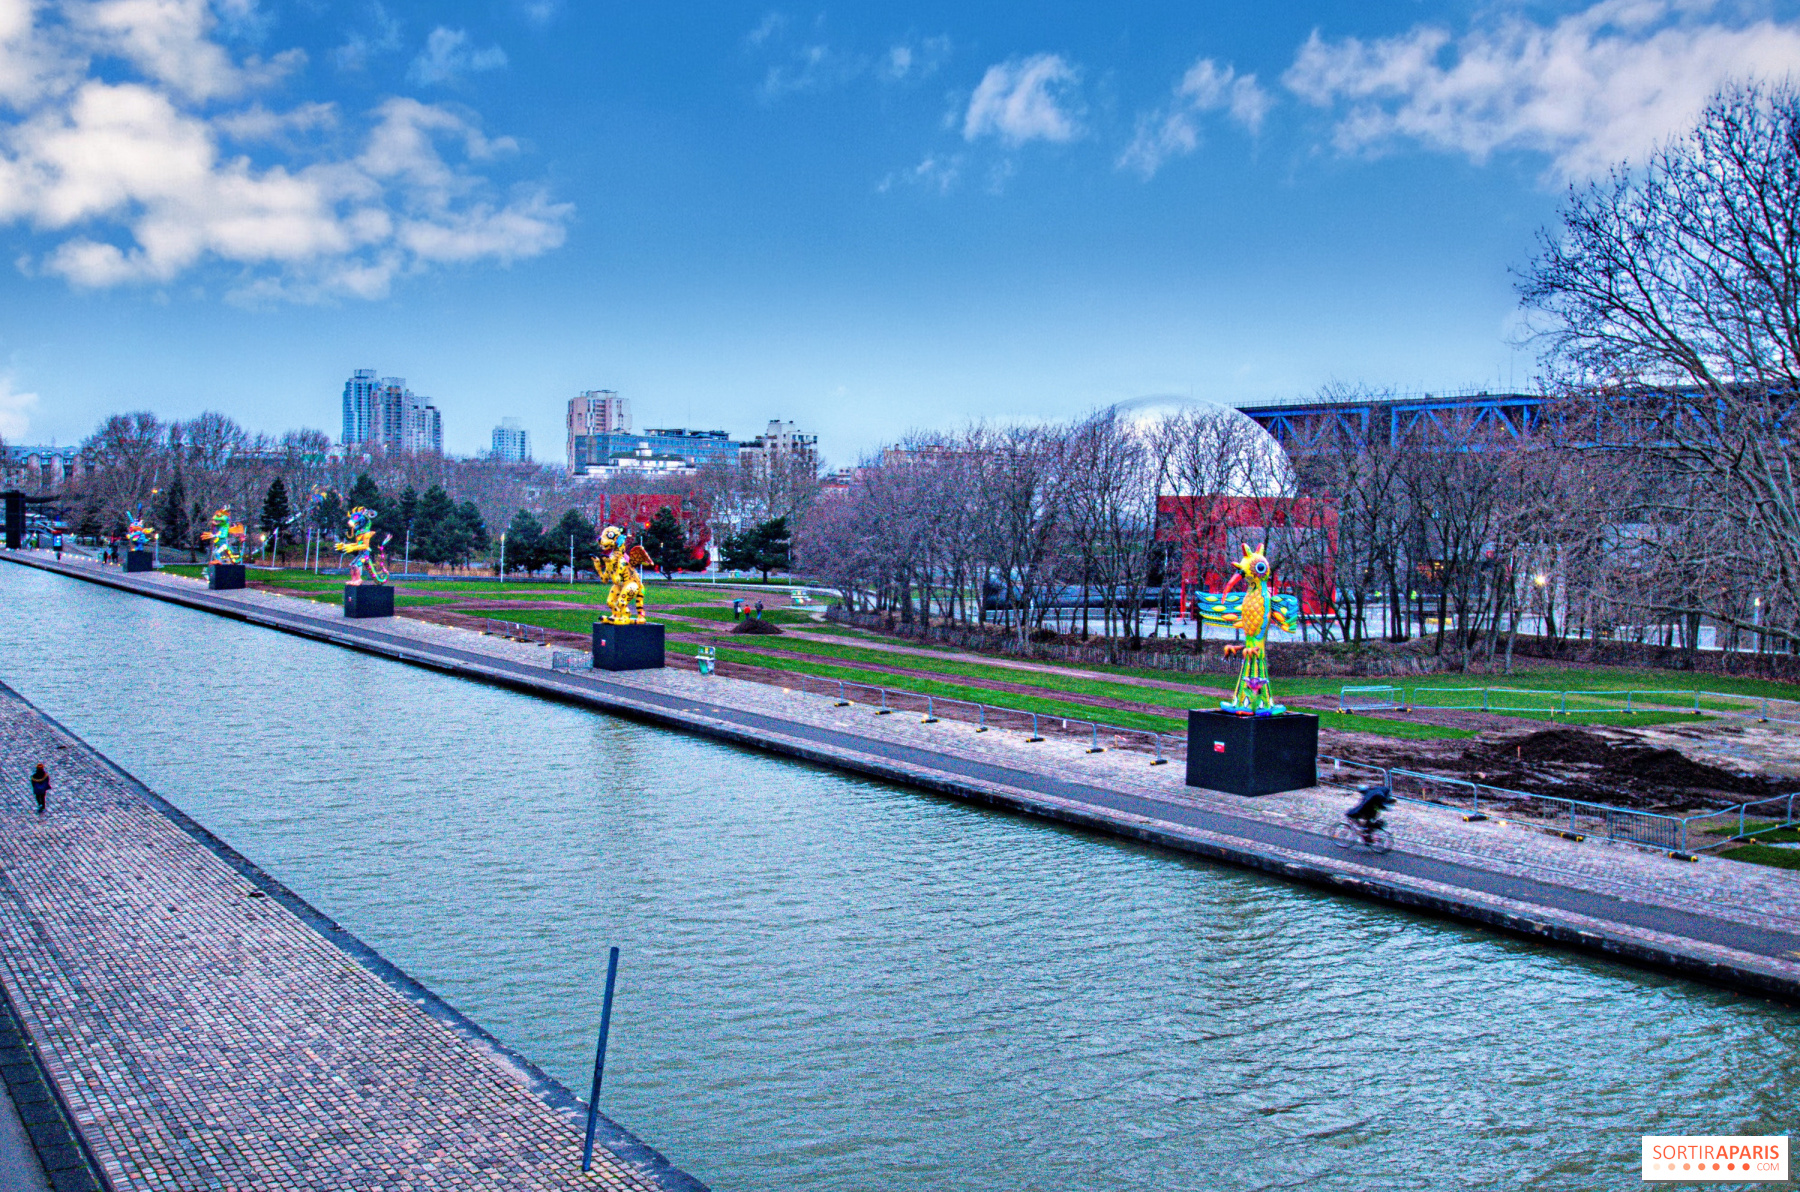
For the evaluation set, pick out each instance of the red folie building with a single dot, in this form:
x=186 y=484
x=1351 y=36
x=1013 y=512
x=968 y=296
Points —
x=1211 y=531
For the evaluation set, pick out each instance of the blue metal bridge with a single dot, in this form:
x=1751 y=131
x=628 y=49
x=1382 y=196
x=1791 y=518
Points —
x=1446 y=418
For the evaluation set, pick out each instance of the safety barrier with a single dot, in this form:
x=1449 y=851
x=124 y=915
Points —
x=515 y=631
x=1567 y=703
x=1371 y=699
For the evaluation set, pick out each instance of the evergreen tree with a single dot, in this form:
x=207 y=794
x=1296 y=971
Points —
x=89 y=526
x=198 y=524
x=172 y=518
x=366 y=493
x=438 y=532
x=762 y=548
x=580 y=530
x=329 y=517
x=666 y=541
x=275 y=510
x=474 y=529
x=772 y=542
x=524 y=542
x=409 y=506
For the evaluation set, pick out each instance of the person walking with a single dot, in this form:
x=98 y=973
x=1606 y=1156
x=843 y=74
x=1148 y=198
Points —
x=40 y=785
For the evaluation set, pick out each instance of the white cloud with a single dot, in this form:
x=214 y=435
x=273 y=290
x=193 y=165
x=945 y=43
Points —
x=1591 y=89
x=914 y=59
x=1174 y=131
x=128 y=179
x=939 y=174
x=15 y=411
x=447 y=57
x=382 y=37
x=1025 y=100
x=170 y=42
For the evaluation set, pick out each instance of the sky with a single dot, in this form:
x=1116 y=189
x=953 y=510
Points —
x=867 y=219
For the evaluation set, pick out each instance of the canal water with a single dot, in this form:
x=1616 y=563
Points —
x=831 y=983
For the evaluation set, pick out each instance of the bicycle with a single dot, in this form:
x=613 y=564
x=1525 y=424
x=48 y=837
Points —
x=1371 y=834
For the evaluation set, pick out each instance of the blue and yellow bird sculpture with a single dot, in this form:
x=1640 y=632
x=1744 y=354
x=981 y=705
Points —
x=1251 y=611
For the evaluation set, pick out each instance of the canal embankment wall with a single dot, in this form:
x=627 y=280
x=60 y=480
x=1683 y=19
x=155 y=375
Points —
x=201 y=1025
x=1655 y=924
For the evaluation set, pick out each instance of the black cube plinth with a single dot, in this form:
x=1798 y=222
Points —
x=627 y=647
x=140 y=560
x=368 y=600
x=225 y=577
x=1252 y=755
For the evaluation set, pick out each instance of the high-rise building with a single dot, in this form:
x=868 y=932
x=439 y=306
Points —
x=387 y=414
x=512 y=441
x=594 y=413
x=359 y=406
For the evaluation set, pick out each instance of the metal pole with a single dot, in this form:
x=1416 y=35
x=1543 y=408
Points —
x=571 y=560
x=406 y=563
x=503 y=558
x=587 y=1147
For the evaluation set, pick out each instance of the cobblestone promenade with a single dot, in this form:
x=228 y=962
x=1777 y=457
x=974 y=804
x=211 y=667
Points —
x=207 y=1037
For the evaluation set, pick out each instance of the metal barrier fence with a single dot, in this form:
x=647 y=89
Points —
x=1576 y=818
x=1371 y=699
x=515 y=631
x=1567 y=703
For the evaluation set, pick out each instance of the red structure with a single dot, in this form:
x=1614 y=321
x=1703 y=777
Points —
x=1299 y=531
x=634 y=511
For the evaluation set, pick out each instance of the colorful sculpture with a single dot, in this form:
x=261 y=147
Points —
x=618 y=565
x=362 y=552
x=138 y=534
x=223 y=534
x=1251 y=611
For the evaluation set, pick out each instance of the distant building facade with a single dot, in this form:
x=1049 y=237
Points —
x=658 y=450
x=512 y=441
x=383 y=412
x=781 y=443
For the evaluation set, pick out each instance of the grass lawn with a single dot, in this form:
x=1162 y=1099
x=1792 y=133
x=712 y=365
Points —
x=1762 y=854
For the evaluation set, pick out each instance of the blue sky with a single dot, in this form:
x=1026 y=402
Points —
x=866 y=219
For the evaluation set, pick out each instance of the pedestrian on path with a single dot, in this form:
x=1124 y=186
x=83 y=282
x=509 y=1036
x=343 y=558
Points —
x=40 y=785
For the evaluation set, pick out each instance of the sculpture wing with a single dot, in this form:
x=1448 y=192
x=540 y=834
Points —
x=1288 y=605
x=640 y=557
x=1221 y=608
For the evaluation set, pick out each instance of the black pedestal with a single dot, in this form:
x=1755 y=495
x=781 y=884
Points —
x=140 y=560
x=1252 y=755
x=368 y=600
x=225 y=577
x=627 y=647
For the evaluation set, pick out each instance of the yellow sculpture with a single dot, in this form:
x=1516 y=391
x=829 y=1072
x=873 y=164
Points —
x=618 y=566
x=1250 y=611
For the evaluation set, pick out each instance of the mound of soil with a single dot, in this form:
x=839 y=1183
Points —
x=754 y=625
x=1579 y=764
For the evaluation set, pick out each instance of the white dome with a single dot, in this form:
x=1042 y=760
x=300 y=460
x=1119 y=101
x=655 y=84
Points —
x=1221 y=451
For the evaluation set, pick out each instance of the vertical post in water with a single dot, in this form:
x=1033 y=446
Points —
x=587 y=1147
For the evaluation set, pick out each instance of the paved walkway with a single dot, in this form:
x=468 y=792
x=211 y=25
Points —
x=208 y=1035
x=1718 y=918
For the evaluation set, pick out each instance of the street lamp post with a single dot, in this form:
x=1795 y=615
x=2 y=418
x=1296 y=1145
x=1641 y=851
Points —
x=406 y=563
x=503 y=556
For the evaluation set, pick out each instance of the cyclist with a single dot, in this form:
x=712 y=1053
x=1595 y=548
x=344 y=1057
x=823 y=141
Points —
x=1366 y=815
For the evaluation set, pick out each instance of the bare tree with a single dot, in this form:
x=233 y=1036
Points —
x=1673 y=297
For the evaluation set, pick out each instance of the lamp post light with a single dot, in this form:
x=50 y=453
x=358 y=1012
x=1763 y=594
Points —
x=502 y=556
x=406 y=563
